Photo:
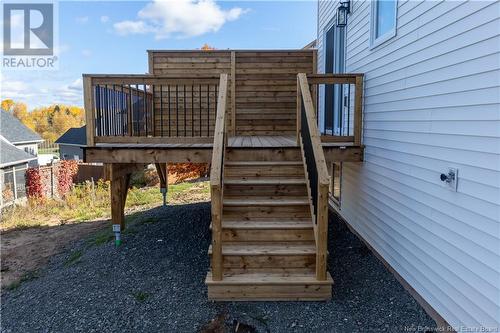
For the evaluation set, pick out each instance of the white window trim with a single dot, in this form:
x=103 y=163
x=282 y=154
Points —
x=374 y=42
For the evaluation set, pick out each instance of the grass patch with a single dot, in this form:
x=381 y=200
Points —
x=141 y=296
x=148 y=220
x=24 y=278
x=86 y=202
x=101 y=237
x=73 y=258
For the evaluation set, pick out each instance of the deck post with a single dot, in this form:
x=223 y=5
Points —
x=119 y=176
x=88 y=95
x=162 y=170
x=322 y=233
x=358 y=111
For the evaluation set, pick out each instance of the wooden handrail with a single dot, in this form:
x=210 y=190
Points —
x=313 y=129
x=149 y=79
x=220 y=137
x=320 y=210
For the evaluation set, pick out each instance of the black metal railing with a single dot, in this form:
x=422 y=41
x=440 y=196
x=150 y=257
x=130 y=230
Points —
x=310 y=161
x=153 y=106
x=123 y=110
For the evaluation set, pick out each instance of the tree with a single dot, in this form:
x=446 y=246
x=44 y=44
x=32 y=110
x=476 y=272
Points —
x=20 y=111
x=50 y=122
x=7 y=104
x=207 y=47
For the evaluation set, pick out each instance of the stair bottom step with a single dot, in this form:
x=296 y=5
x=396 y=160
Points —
x=269 y=287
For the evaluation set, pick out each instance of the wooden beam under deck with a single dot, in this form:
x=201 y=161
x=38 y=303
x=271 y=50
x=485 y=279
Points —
x=202 y=152
x=338 y=153
x=148 y=154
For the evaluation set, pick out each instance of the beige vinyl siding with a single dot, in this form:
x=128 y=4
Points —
x=432 y=101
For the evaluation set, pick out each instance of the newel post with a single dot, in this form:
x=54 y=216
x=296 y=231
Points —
x=88 y=96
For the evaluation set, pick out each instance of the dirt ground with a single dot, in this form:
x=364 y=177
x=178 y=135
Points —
x=24 y=251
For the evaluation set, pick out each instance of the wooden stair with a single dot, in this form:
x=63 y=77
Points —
x=268 y=244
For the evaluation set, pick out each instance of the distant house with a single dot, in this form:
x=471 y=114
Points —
x=71 y=144
x=16 y=133
x=18 y=150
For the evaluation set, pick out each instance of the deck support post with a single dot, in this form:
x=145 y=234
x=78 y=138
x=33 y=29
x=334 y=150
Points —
x=119 y=176
x=162 y=170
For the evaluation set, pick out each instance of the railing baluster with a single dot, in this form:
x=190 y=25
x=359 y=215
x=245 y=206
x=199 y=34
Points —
x=98 y=109
x=176 y=110
x=145 y=106
x=106 y=103
x=192 y=110
x=216 y=98
x=153 y=111
x=199 y=103
x=113 y=107
x=130 y=120
x=161 y=110
x=208 y=108
x=348 y=109
x=169 y=118
x=122 y=110
x=185 y=116
x=341 y=111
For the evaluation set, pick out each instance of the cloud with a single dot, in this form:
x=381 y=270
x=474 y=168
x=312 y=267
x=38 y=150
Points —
x=132 y=27
x=41 y=89
x=76 y=85
x=14 y=90
x=82 y=19
x=104 y=19
x=181 y=18
x=86 y=53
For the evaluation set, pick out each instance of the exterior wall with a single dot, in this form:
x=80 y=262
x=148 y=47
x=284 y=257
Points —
x=68 y=152
x=431 y=102
x=265 y=85
x=31 y=148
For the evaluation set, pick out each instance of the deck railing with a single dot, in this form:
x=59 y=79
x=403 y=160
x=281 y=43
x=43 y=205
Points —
x=149 y=108
x=216 y=185
x=344 y=93
x=309 y=138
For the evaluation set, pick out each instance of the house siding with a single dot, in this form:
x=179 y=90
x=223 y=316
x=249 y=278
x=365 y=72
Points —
x=431 y=102
x=67 y=152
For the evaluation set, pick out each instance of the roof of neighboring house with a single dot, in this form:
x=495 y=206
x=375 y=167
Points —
x=15 y=131
x=11 y=155
x=74 y=136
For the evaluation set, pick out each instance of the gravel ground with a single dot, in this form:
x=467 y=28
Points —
x=155 y=282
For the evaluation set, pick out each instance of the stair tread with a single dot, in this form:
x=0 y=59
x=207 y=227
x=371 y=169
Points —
x=287 y=248
x=264 y=180
x=266 y=278
x=259 y=163
x=265 y=201
x=241 y=224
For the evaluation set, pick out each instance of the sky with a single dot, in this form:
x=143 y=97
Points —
x=112 y=38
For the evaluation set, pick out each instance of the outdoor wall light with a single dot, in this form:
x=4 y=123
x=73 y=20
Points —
x=342 y=11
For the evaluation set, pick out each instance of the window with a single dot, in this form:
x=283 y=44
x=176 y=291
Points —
x=383 y=21
x=335 y=186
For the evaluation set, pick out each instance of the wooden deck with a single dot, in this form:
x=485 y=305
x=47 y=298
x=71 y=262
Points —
x=251 y=115
x=202 y=152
